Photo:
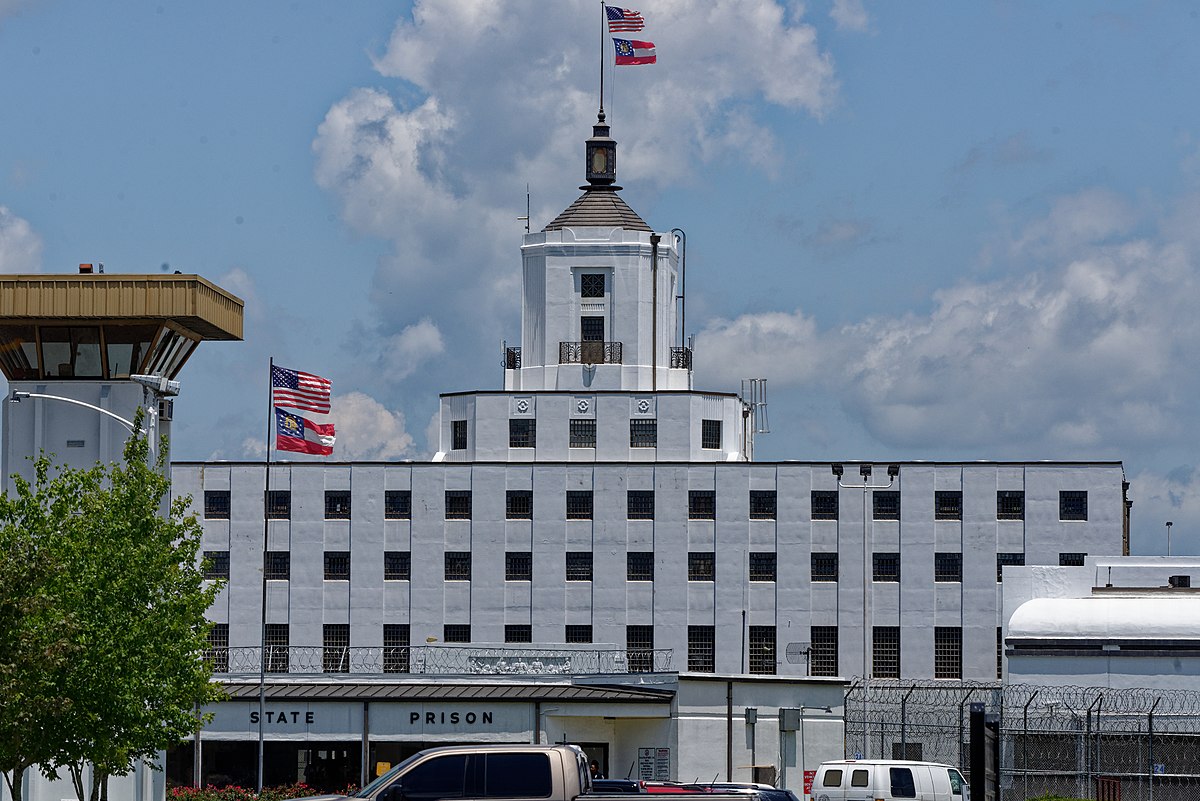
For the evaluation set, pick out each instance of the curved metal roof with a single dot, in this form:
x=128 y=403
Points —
x=599 y=207
x=449 y=691
x=1111 y=618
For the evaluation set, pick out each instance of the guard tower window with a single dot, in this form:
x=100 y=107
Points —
x=591 y=328
x=710 y=434
x=458 y=435
x=591 y=285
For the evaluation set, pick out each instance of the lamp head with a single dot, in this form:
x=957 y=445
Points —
x=17 y=396
x=157 y=383
x=893 y=470
x=864 y=470
x=837 y=470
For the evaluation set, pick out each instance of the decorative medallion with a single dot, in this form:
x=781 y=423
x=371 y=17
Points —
x=582 y=405
x=643 y=405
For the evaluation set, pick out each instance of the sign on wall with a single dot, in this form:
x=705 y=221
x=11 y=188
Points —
x=654 y=764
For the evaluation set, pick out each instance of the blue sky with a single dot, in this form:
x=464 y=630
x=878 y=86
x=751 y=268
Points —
x=939 y=230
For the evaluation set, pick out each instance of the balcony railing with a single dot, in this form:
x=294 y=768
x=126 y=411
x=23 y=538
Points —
x=512 y=358
x=439 y=659
x=589 y=352
x=681 y=358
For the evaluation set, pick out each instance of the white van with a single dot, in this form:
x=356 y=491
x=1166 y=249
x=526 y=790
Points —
x=884 y=780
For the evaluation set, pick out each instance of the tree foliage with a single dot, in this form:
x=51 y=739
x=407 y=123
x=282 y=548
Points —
x=103 y=627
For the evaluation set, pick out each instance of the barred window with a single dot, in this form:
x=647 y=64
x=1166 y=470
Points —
x=710 y=434
x=824 y=504
x=886 y=566
x=216 y=564
x=591 y=285
x=823 y=658
x=886 y=504
x=885 y=652
x=578 y=633
x=1074 y=559
x=277 y=565
x=639 y=566
x=999 y=652
x=763 y=504
x=518 y=505
x=276 y=638
x=337 y=565
x=702 y=505
x=583 y=433
x=824 y=566
x=579 y=566
x=458 y=435
x=579 y=504
x=216 y=504
x=395 y=647
x=458 y=504
x=458 y=565
x=1003 y=559
x=518 y=632
x=702 y=649
x=947 y=652
x=947 y=566
x=217 y=652
x=639 y=648
x=337 y=504
x=1072 y=505
x=277 y=505
x=518 y=566
x=456 y=632
x=762 y=566
x=397 y=566
x=702 y=566
x=640 y=504
x=762 y=650
x=522 y=432
x=947 y=505
x=1010 y=505
x=643 y=433
x=336 y=657
x=397 y=505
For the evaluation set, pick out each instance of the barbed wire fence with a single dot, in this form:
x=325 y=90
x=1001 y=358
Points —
x=1078 y=742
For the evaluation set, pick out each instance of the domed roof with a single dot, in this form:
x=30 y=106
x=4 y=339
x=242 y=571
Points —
x=1109 y=618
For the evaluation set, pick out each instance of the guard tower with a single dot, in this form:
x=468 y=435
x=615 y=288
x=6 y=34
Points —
x=77 y=339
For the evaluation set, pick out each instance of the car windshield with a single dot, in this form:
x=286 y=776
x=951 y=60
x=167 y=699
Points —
x=385 y=779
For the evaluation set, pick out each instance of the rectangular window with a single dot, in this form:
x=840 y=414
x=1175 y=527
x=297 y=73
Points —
x=763 y=504
x=1071 y=559
x=395 y=647
x=591 y=329
x=824 y=566
x=458 y=504
x=643 y=433
x=702 y=649
x=947 y=566
x=702 y=566
x=518 y=632
x=886 y=504
x=639 y=566
x=336 y=658
x=640 y=504
x=456 y=632
x=579 y=504
x=583 y=433
x=999 y=652
x=886 y=566
x=591 y=285
x=947 y=652
x=702 y=505
x=1072 y=505
x=458 y=565
x=518 y=505
x=578 y=634
x=639 y=648
x=823 y=658
x=277 y=565
x=217 y=652
x=710 y=434
x=824 y=504
x=762 y=566
x=947 y=505
x=216 y=504
x=337 y=504
x=397 y=505
x=458 y=435
x=579 y=565
x=762 y=650
x=276 y=638
x=397 y=566
x=216 y=564
x=1003 y=559
x=522 y=432
x=518 y=566
x=277 y=505
x=1010 y=505
x=885 y=652
x=337 y=565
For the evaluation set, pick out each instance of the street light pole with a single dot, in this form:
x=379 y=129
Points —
x=804 y=773
x=1169 y=524
x=17 y=396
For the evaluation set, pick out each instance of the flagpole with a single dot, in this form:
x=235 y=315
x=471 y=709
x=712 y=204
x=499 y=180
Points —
x=603 y=18
x=262 y=649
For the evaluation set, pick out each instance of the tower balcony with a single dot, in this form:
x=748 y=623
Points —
x=589 y=352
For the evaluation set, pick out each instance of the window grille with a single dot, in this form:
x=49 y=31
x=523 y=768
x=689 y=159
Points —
x=578 y=633
x=999 y=652
x=216 y=504
x=518 y=566
x=277 y=565
x=643 y=433
x=456 y=632
x=458 y=435
x=579 y=566
x=886 y=567
x=947 y=566
x=886 y=504
x=639 y=648
x=762 y=650
x=702 y=505
x=947 y=505
x=824 y=504
x=947 y=652
x=217 y=652
x=395 y=648
x=397 y=505
x=518 y=505
x=591 y=285
x=1010 y=505
x=1072 y=505
x=397 y=566
x=702 y=649
x=583 y=433
x=823 y=658
x=337 y=565
x=518 y=633
x=579 y=504
x=702 y=566
x=763 y=504
x=762 y=566
x=885 y=652
x=458 y=565
x=337 y=504
x=522 y=432
x=824 y=566
x=278 y=504
x=1075 y=559
x=458 y=504
x=710 y=434
x=639 y=566
x=336 y=658
x=277 y=648
x=1003 y=559
x=640 y=504
x=216 y=564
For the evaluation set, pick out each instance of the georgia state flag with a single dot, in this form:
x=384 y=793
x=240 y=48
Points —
x=296 y=433
x=631 y=51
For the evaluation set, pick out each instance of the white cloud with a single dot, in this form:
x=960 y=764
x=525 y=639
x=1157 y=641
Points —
x=20 y=245
x=366 y=430
x=850 y=15
x=411 y=348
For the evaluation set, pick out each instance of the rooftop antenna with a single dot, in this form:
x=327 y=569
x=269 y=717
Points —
x=526 y=217
x=754 y=412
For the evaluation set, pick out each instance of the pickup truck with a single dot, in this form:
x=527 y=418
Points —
x=510 y=772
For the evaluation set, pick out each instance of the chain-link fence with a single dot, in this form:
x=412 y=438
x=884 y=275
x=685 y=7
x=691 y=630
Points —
x=1079 y=742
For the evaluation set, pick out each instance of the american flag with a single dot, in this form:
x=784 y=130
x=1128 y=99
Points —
x=300 y=390
x=623 y=19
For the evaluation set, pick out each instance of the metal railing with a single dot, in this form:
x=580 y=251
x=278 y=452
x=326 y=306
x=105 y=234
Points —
x=681 y=358
x=589 y=352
